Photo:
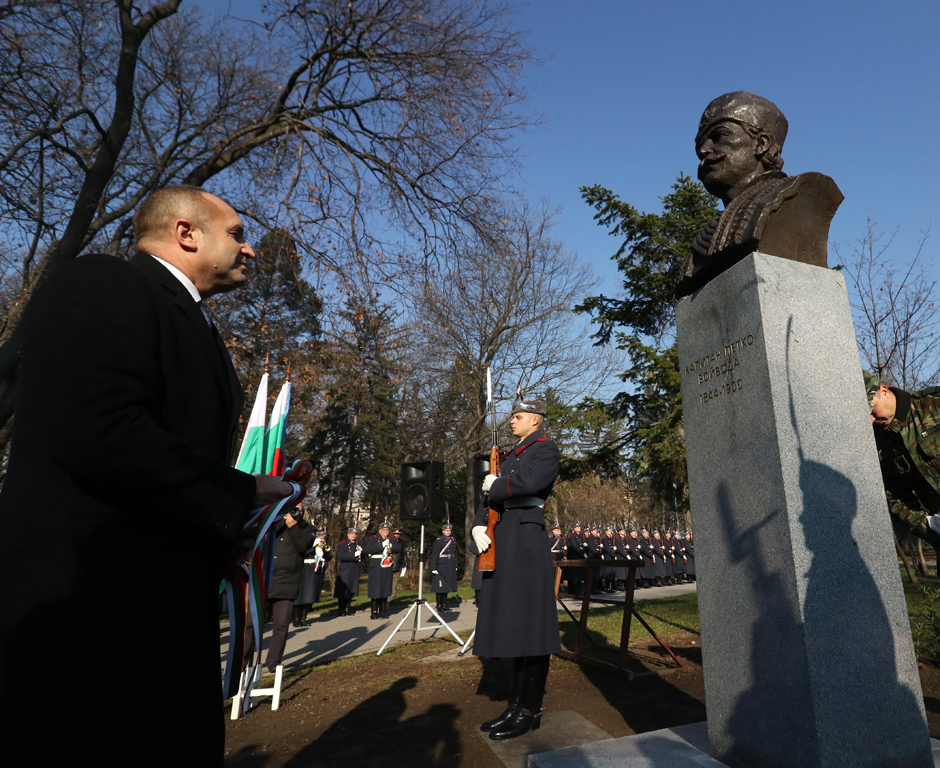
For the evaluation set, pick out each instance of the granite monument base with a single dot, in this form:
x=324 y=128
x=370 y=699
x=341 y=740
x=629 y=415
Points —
x=806 y=645
x=685 y=746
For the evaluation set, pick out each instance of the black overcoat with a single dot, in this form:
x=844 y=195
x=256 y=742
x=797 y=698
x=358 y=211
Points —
x=516 y=612
x=556 y=545
x=348 y=565
x=633 y=548
x=649 y=569
x=126 y=409
x=290 y=545
x=690 y=557
x=311 y=577
x=662 y=567
x=608 y=552
x=380 y=576
x=576 y=551
x=444 y=561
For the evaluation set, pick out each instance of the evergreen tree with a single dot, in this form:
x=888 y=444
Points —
x=642 y=322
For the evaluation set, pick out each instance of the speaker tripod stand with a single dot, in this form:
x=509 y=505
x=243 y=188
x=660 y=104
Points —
x=416 y=607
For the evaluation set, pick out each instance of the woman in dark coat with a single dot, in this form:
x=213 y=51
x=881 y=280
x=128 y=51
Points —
x=348 y=559
x=311 y=578
x=517 y=617
x=444 y=566
x=381 y=550
x=293 y=536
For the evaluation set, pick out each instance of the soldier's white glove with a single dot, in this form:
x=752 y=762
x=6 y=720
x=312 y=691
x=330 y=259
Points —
x=480 y=538
x=434 y=572
x=318 y=551
x=488 y=483
x=387 y=544
x=358 y=551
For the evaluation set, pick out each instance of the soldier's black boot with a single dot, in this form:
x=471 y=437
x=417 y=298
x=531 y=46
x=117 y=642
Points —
x=340 y=607
x=299 y=617
x=375 y=609
x=383 y=608
x=444 y=602
x=515 y=689
x=528 y=715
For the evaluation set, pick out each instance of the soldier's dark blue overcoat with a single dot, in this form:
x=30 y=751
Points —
x=575 y=552
x=516 y=613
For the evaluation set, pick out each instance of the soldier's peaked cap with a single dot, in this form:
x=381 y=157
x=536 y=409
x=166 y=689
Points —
x=384 y=524
x=351 y=530
x=529 y=406
x=447 y=527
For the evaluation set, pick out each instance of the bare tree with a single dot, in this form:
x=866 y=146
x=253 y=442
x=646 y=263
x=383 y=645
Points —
x=896 y=321
x=506 y=304
x=338 y=121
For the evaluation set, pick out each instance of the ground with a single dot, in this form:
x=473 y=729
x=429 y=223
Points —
x=420 y=706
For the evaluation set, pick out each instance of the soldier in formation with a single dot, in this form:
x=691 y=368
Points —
x=444 y=566
x=576 y=551
x=381 y=549
x=311 y=578
x=349 y=561
x=608 y=552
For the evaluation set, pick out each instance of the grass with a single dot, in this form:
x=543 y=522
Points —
x=666 y=616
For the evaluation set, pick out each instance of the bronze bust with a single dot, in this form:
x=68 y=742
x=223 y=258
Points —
x=739 y=144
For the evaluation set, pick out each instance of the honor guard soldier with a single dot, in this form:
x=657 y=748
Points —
x=662 y=569
x=517 y=617
x=311 y=578
x=633 y=548
x=444 y=566
x=672 y=563
x=576 y=551
x=349 y=561
x=556 y=544
x=608 y=552
x=621 y=553
x=592 y=551
x=649 y=571
x=381 y=550
x=399 y=560
x=690 y=556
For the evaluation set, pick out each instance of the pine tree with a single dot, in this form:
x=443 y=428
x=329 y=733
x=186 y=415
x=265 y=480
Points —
x=642 y=322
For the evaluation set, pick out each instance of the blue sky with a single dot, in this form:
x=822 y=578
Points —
x=624 y=82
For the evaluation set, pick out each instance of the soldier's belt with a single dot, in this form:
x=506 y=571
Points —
x=524 y=501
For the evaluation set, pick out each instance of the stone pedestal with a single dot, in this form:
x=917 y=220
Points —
x=806 y=642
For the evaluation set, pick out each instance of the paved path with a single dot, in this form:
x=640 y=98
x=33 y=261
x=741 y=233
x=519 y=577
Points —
x=333 y=637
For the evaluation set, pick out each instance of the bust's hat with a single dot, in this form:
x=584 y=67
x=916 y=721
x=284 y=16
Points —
x=747 y=108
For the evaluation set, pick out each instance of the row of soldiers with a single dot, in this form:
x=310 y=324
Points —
x=662 y=560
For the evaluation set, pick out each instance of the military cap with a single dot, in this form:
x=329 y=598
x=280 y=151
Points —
x=384 y=524
x=351 y=530
x=447 y=527
x=872 y=385
x=747 y=109
x=529 y=406
x=556 y=526
x=321 y=533
x=576 y=525
x=621 y=528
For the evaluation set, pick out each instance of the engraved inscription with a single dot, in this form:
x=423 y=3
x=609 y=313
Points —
x=716 y=370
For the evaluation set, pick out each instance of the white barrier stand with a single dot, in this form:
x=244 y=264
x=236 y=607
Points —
x=242 y=701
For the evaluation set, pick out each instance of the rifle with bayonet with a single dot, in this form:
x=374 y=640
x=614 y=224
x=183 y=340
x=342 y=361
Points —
x=487 y=560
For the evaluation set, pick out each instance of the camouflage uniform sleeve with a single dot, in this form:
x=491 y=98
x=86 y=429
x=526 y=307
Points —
x=915 y=520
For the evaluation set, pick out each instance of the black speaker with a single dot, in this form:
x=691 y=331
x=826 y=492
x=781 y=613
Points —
x=481 y=468
x=422 y=490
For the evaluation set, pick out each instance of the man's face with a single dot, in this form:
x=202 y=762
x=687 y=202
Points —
x=524 y=424
x=632 y=534
x=223 y=253
x=352 y=536
x=577 y=529
x=728 y=158
x=448 y=531
x=883 y=406
x=383 y=532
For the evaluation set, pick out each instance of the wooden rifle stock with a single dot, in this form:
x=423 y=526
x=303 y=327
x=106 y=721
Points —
x=487 y=560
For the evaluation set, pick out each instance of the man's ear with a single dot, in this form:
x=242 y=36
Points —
x=764 y=143
x=185 y=233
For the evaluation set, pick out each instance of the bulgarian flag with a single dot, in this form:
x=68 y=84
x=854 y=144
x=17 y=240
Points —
x=252 y=454
x=251 y=460
x=277 y=429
